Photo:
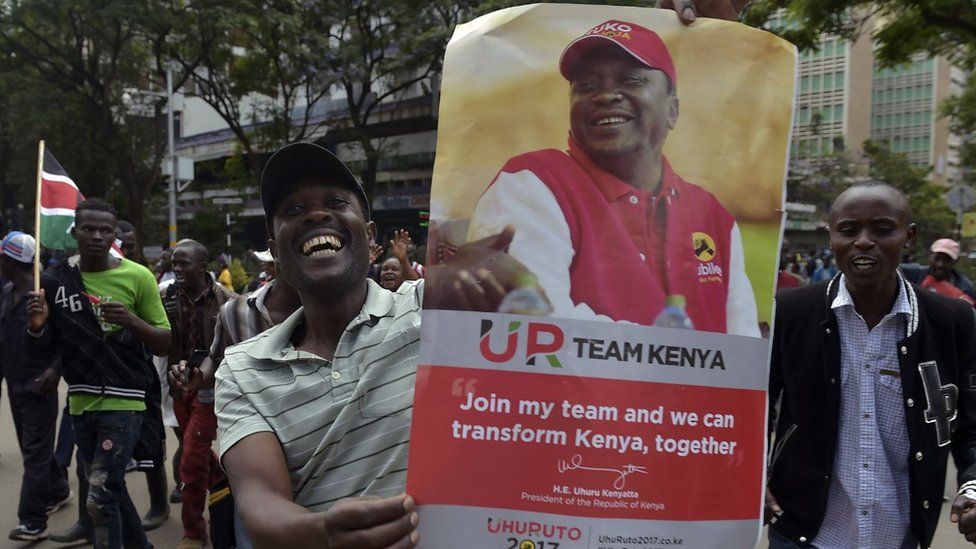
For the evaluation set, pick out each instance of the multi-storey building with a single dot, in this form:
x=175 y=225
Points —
x=405 y=130
x=830 y=102
x=845 y=95
x=905 y=112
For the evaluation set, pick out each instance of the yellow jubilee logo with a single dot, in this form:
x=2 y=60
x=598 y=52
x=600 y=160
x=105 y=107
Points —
x=704 y=246
x=527 y=544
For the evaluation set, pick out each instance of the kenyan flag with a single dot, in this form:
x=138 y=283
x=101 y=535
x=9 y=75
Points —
x=59 y=198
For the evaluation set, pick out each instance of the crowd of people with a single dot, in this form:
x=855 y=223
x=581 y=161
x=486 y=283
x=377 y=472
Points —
x=941 y=275
x=121 y=294
x=798 y=268
x=305 y=378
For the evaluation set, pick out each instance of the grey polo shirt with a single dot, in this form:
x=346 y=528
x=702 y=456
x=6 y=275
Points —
x=344 y=424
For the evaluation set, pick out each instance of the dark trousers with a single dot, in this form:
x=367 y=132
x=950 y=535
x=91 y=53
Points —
x=45 y=481
x=105 y=443
x=779 y=541
x=198 y=464
x=65 y=446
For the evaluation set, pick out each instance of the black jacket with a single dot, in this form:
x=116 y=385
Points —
x=16 y=362
x=93 y=362
x=805 y=372
x=96 y=363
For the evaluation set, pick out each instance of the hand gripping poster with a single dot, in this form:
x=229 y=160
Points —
x=620 y=176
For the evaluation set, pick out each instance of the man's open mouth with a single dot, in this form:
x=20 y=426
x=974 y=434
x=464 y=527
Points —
x=609 y=120
x=321 y=246
x=863 y=263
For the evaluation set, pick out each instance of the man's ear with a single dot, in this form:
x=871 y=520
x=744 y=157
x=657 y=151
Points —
x=911 y=232
x=371 y=231
x=672 y=111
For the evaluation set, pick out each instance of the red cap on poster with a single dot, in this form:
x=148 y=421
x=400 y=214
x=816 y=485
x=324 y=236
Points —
x=644 y=44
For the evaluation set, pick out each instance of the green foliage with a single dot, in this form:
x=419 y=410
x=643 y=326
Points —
x=64 y=68
x=961 y=112
x=209 y=228
x=264 y=66
x=819 y=183
x=900 y=29
x=383 y=50
x=927 y=199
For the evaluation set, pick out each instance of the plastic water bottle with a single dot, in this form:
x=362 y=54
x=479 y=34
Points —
x=674 y=315
x=526 y=299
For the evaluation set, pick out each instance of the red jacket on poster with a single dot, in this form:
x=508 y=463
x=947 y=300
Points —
x=603 y=249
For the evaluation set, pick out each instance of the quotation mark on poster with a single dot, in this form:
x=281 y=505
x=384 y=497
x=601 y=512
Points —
x=461 y=387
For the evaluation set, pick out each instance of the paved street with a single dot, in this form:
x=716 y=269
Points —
x=11 y=469
x=169 y=534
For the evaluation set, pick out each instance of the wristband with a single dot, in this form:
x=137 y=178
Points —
x=968 y=490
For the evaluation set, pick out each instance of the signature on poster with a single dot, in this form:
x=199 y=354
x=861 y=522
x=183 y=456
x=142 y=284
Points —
x=575 y=463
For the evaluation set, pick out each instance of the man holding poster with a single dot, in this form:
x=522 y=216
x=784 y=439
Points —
x=608 y=227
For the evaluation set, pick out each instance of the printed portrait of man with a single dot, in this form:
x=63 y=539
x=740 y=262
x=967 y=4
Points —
x=607 y=226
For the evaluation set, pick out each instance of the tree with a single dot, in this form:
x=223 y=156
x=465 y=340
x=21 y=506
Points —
x=819 y=181
x=926 y=198
x=961 y=111
x=905 y=27
x=265 y=66
x=384 y=51
x=900 y=29
x=279 y=71
x=71 y=60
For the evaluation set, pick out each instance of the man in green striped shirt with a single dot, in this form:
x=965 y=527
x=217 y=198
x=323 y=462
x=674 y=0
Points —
x=314 y=414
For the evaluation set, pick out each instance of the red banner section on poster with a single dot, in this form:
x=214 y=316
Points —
x=609 y=429
x=612 y=450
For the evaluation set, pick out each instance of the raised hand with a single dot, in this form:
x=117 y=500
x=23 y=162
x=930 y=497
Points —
x=37 y=311
x=375 y=251
x=400 y=243
x=689 y=10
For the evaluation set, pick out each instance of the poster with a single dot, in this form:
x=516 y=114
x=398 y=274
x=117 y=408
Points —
x=641 y=165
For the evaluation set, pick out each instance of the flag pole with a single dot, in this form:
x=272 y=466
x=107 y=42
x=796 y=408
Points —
x=37 y=218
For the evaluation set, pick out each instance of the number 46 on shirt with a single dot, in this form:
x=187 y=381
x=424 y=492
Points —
x=72 y=302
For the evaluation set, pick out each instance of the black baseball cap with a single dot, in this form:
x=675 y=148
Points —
x=297 y=160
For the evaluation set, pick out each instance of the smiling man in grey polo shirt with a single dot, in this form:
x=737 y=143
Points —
x=315 y=413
